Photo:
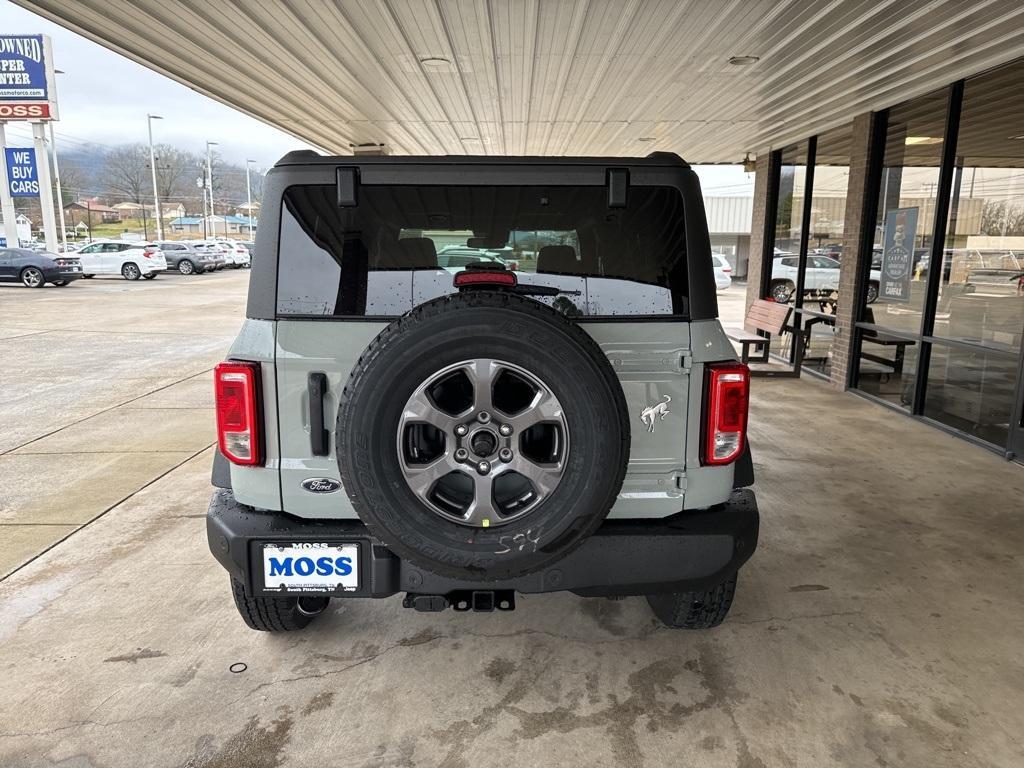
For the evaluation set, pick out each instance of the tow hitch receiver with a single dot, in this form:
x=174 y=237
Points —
x=481 y=601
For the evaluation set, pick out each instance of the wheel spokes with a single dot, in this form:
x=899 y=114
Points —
x=476 y=472
x=544 y=477
x=481 y=511
x=482 y=374
x=543 y=407
x=421 y=478
x=420 y=408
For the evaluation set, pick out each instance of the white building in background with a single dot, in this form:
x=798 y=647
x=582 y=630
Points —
x=729 y=221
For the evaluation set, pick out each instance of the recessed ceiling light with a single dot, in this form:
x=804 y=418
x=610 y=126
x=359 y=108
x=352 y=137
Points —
x=913 y=140
x=743 y=61
x=647 y=138
x=435 y=62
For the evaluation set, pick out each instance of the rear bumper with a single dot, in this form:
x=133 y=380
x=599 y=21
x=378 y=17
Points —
x=685 y=552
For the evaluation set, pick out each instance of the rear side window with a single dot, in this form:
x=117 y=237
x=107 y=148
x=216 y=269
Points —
x=402 y=245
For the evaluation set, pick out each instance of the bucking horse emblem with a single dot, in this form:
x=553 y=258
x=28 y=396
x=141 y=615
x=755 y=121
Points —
x=659 y=411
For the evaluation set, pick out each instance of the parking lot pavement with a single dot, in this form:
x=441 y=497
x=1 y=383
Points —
x=105 y=386
x=861 y=635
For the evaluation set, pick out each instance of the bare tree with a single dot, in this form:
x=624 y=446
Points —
x=999 y=217
x=126 y=172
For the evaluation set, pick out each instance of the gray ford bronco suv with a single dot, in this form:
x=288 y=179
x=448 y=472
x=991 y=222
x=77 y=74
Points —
x=559 y=411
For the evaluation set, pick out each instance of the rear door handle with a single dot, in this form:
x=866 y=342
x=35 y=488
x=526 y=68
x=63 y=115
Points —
x=316 y=385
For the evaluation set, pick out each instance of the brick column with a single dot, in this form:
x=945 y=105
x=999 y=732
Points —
x=755 y=259
x=855 y=219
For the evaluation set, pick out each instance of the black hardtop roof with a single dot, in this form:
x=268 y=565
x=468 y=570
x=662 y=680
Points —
x=309 y=157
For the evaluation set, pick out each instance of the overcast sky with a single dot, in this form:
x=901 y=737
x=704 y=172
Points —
x=104 y=98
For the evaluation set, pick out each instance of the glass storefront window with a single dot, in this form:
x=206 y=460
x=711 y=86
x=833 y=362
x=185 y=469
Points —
x=981 y=296
x=790 y=198
x=895 y=295
x=822 y=292
x=904 y=224
x=961 y=366
x=972 y=389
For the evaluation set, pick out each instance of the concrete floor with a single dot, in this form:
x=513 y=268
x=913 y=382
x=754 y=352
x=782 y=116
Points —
x=879 y=623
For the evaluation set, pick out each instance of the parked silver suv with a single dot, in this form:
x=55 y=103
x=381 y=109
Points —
x=578 y=423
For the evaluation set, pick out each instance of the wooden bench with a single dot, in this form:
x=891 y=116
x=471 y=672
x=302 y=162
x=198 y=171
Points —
x=870 y=335
x=767 y=316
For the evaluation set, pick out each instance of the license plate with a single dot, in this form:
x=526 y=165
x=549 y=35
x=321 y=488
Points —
x=310 y=567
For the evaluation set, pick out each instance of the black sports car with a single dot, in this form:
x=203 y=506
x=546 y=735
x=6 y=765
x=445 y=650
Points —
x=36 y=268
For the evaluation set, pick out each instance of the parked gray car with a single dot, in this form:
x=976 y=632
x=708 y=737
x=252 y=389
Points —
x=184 y=258
x=387 y=426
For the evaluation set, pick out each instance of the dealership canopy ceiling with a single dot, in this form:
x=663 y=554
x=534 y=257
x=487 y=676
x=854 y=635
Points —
x=709 y=79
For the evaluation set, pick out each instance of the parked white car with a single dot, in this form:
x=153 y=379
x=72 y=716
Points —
x=237 y=254
x=723 y=272
x=130 y=260
x=822 y=277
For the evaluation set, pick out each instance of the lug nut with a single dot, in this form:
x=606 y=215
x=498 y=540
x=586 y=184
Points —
x=461 y=430
x=483 y=467
x=461 y=454
x=505 y=430
x=483 y=417
x=505 y=454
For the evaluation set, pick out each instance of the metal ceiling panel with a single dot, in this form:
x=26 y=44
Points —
x=554 y=77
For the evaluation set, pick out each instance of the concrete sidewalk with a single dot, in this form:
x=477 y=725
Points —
x=105 y=386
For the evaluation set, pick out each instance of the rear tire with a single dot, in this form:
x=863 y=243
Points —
x=60 y=283
x=435 y=529
x=694 y=610
x=186 y=267
x=131 y=271
x=88 y=277
x=149 y=276
x=276 y=614
x=32 y=277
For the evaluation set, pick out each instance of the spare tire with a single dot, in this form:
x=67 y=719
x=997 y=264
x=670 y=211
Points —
x=482 y=436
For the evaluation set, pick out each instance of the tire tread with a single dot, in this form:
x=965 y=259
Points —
x=268 y=614
x=678 y=610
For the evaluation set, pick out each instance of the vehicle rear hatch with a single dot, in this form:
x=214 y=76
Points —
x=359 y=247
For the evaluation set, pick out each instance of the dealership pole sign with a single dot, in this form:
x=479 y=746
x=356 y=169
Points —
x=26 y=78
x=898 y=254
x=22 y=173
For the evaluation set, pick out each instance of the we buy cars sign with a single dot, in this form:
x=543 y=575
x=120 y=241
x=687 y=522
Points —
x=26 y=78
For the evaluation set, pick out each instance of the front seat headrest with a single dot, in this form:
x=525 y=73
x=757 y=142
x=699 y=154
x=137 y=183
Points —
x=418 y=253
x=558 y=259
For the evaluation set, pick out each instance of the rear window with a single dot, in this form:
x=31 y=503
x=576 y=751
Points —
x=402 y=246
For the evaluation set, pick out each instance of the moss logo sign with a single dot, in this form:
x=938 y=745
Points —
x=898 y=254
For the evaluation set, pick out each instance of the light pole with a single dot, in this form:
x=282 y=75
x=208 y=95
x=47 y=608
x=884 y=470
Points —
x=248 y=195
x=152 y=167
x=209 y=180
x=56 y=180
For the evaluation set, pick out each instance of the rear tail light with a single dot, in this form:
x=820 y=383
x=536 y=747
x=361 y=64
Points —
x=725 y=408
x=238 y=431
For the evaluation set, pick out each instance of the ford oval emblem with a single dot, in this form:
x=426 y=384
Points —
x=321 y=485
